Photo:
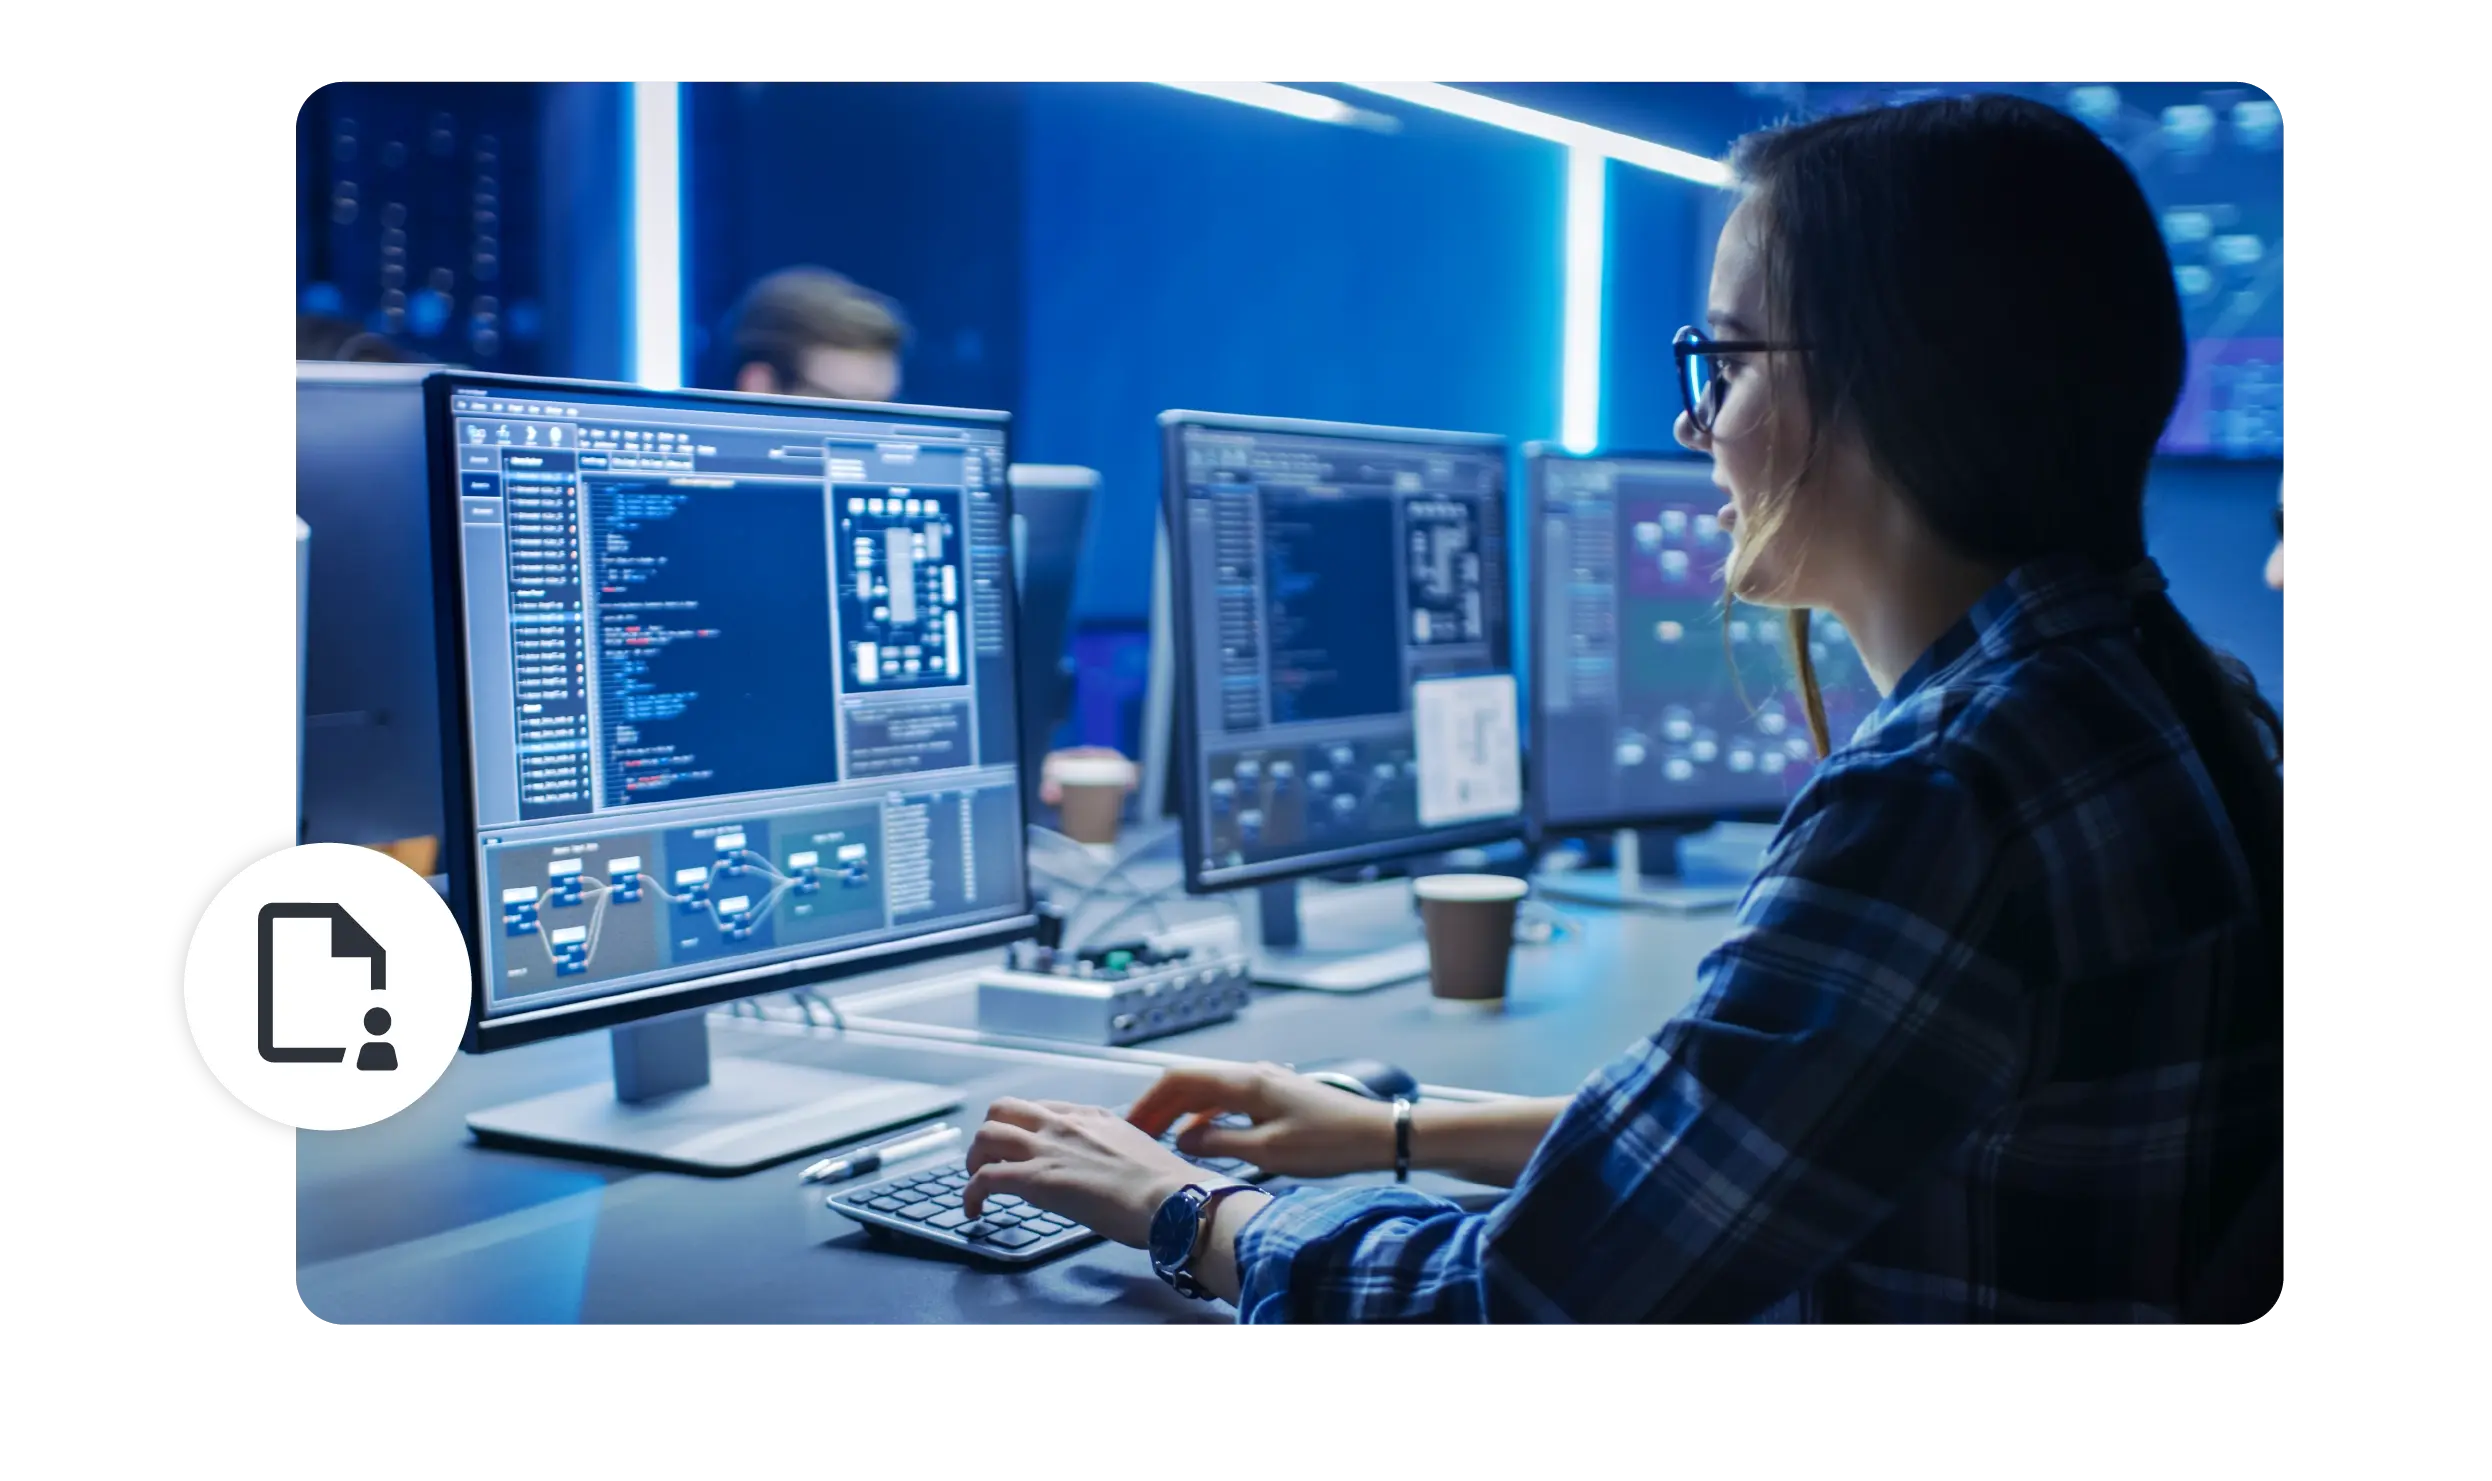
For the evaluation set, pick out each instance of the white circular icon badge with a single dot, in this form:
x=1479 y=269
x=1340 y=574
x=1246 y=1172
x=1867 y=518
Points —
x=327 y=986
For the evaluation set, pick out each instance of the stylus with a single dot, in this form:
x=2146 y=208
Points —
x=899 y=1149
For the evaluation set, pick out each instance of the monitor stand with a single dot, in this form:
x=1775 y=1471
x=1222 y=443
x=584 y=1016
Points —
x=1344 y=956
x=672 y=1106
x=1626 y=887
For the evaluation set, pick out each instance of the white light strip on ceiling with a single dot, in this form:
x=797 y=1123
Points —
x=1297 y=102
x=1579 y=385
x=657 y=235
x=1625 y=148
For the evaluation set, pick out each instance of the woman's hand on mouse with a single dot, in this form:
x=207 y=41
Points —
x=1088 y=1164
x=1302 y=1128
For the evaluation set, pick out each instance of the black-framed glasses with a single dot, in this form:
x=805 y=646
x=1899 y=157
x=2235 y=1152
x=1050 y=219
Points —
x=1701 y=381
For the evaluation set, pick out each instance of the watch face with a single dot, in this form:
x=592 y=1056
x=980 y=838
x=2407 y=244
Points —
x=1172 y=1229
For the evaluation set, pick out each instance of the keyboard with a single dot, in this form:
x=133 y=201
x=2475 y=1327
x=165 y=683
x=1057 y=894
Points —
x=926 y=1206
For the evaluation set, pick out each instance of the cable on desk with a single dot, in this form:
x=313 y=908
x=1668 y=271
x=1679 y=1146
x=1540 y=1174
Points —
x=1146 y=901
x=1116 y=870
x=1046 y=875
x=811 y=1007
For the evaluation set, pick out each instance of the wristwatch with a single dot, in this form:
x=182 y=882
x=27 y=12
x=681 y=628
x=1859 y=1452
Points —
x=1177 y=1234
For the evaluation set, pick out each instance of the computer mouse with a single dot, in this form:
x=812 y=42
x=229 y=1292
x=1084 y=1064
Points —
x=1372 y=1078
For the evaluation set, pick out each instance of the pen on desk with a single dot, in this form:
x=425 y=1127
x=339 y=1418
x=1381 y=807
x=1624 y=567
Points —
x=898 y=1149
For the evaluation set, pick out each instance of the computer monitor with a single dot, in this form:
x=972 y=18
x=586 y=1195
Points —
x=370 y=769
x=1344 y=693
x=1162 y=796
x=1051 y=506
x=1652 y=708
x=732 y=707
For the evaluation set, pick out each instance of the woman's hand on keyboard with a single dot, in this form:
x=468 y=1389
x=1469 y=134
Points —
x=1088 y=1164
x=1302 y=1128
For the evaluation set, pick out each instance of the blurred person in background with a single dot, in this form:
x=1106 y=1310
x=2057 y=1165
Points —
x=807 y=331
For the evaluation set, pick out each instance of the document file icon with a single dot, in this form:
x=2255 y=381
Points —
x=347 y=939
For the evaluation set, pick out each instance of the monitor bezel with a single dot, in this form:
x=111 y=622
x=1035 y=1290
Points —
x=507 y=1031
x=1054 y=478
x=1193 y=820
x=1536 y=458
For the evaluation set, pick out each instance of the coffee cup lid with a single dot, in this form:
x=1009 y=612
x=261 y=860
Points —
x=1091 y=771
x=1482 y=888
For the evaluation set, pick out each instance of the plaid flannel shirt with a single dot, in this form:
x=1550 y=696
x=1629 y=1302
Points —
x=1974 y=1048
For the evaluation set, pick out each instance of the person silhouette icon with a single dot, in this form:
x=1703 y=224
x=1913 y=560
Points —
x=377 y=1055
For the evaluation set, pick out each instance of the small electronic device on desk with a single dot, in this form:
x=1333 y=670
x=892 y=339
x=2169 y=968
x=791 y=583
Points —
x=926 y=1205
x=1117 y=995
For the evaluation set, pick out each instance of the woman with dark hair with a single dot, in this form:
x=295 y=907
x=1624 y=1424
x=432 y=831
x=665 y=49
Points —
x=1997 y=1034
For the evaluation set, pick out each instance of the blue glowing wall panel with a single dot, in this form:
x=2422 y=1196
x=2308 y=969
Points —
x=2211 y=523
x=1187 y=252
x=2210 y=157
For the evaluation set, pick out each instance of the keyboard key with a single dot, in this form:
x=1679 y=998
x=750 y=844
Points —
x=1004 y=1200
x=950 y=1218
x=1004 y=1218
x=981 y=1229
x=921 y=1211
x=888 y=1205
x=1013 y=1239
x=1044 y=1227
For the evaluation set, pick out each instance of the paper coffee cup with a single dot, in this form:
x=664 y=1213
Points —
x=1094 y=789
x=1469 y=920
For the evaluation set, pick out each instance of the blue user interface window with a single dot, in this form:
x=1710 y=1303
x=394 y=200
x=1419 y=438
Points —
x=1335 y=582
x=1650 y=700
x=739 y=684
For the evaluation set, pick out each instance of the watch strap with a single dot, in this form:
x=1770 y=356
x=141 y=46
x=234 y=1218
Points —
x=1206 y=1207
